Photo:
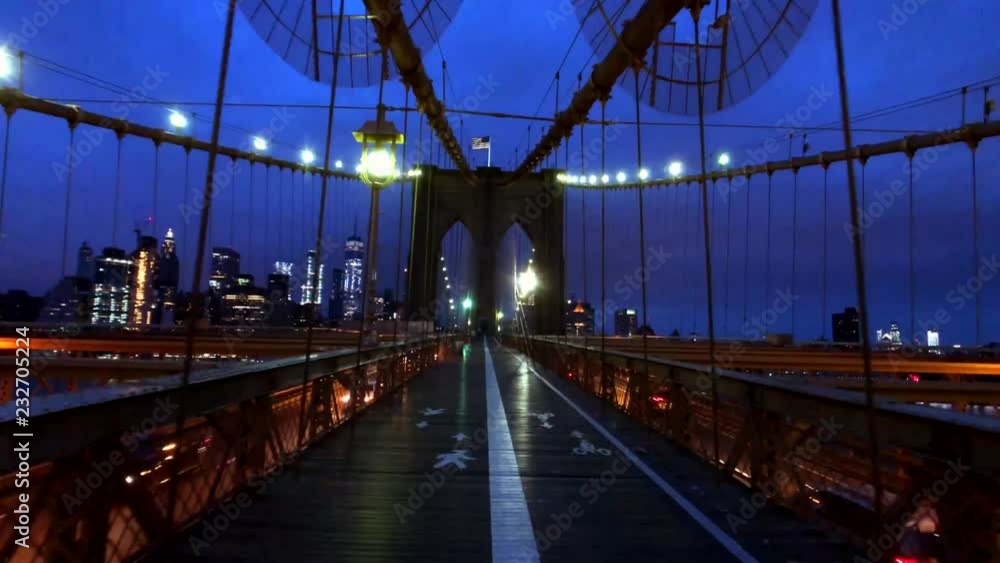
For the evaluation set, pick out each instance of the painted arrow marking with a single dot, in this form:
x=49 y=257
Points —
x=431 y=412
x=422 y=424
x=460 y=437
x=456 y=458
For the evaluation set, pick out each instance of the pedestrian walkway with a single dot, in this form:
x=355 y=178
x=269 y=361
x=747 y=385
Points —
x=484 y=459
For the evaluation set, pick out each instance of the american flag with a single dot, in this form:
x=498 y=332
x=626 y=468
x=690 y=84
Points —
x=480 y=143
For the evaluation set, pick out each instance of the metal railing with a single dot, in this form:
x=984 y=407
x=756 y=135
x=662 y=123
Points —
x=805 y=447
x=101 y=467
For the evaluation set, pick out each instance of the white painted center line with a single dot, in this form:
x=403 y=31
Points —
x=510 y=523
x=731 y=545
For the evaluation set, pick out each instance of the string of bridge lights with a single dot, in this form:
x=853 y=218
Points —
x=674 y=169
x=379 y=163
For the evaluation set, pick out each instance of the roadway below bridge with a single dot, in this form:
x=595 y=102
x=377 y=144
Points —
x=484 y=458
x=762 y=357
x=753 y=356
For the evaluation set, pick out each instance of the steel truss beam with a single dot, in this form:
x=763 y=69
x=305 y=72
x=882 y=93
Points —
x=387 y=19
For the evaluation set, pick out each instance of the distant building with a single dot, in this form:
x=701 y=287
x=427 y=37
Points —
x=354 y=277
x=68 y=301
x=283 y=309
x=110 y=299
x=933 y=338
x=579 y=318
x=85 y=262
x=18 y=306
x=284 y=268
x=336 y=311
x=847 y=326
x=313 y=269
x=244 y=304
x=142 y=287
x=225 y=268
x=167 y=280
x=890 y=337
x=626 y=322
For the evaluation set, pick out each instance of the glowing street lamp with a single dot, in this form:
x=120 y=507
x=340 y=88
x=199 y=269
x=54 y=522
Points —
x=177 y=120
x=724 y=159
x=605 y=179
x=339 y=164
x=260 y=144
x=675 y=169
x=467 y=303
x=621 y=177
x=378 y=151
x=307 y=156
x=6 y=65
x=527 y=282
x=593 y=180
x=643 y=174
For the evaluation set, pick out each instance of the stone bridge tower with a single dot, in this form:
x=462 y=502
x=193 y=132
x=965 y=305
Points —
x=488 y=210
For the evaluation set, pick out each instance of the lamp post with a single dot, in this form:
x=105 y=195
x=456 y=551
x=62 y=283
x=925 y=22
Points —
x=378 y=141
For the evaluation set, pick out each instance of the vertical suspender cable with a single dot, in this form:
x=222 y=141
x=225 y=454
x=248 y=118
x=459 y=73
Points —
x=188 y=200
x=909 y=227
x=695 y=11
x=859 y=268
x=118 y=188
x=196 y=298
x=282 y=254
x=671 y=236
x=267 y=216
x=644 y=330
x=684 y=273
x=444 y=95
x=725 y=277
x=583 y=230
x=9 y=113
x=795 y=232
x=402 y=201
x=975 y=240
x=250 y=221
x=826 y=186
x=604 y=380
x=767 y=247
x=746 y=257
x=69 y=190
x=232 y=211
x=314 y=281
x=555 y=152
x=156 y=186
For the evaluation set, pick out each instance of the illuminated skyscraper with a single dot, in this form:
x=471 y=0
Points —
x=283 y=268
x=225 y=268
x=110 y=300
x=354 y=277
x=244 y=304
x=933 y=338
x=143 y=282
x=308 y=295
x=167 y=279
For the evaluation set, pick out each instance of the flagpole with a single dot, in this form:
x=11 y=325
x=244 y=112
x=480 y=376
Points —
x=489 y=154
